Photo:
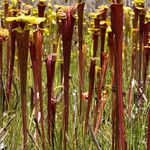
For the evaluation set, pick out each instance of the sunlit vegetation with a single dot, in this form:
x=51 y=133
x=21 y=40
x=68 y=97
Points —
x=74 y=79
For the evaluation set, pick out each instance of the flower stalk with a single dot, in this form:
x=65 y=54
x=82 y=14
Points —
x=148 y=135
x=117 y=28
x=141 y=37
x=38 y=39
x=22 y=43
x=68 y=20
x=50 y=67
x=90 y=92
x=80 y=9
x=146 y=53
x=100 y=104
x=12 y=48
x=1 y=81
x=103 y=26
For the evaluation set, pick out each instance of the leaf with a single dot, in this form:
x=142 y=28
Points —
x=23 y=18
x=20 y=30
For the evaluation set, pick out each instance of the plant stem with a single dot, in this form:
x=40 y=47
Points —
x=100 y=105
x=34 y=68
x=103 y=33
x=1 y=82
x=22 y=43
x=90 y=93
x=11 y=61
x=67 y=32
x=141 y=27
x=95 y=36
x=50 y=66
x=80 y=9
x=38 y=39
x=146 y=54
x=148 y=135
x=117 y=27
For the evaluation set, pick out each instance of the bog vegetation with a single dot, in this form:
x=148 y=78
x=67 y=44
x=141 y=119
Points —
x=73 y=79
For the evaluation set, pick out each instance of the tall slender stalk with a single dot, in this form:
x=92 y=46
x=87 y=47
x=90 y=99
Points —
x=148 y=135
x=127 y=35
x=80 y=10
x=22 y=43
x=38 y=39
x=103 y=26
x=31 y=99
x=134 y=55
x=96 y=35
x=68 y=20
x=53 y=113
x=12 y=47
x=92 y=69
x=111 y=45
x=138 y=23
x=114 y=111
x=100 y=105
x=38 y=44
x=141 y=35
x=135 y=41
x=146 y=53
x=117 y=27
x=35 y=89
x=90 y=92
x=1 y=82
x=1 y=56
x=50 y=66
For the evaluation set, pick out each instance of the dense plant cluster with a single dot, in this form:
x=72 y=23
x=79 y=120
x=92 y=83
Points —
x=70 y=80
